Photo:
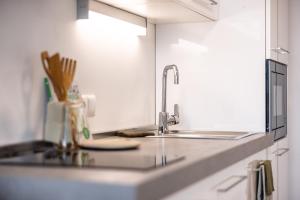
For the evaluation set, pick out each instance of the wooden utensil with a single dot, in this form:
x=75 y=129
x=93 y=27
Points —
x=44 y=57
x=49 y=71
x=57 y=72
x=69 y=68
x=60 y=72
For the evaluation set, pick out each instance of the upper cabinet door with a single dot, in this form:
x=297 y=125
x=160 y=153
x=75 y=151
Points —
x=283 y=31
x=271 y=29
x=170 y=11
x=277 y=30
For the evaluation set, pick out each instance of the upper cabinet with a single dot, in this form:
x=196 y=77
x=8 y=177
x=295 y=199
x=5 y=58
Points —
x=170 y=11
x=277 y=30
x=283 y=21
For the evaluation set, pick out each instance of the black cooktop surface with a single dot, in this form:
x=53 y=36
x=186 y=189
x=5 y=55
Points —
x=43 y=153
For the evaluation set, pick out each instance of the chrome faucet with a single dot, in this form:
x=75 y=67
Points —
x=164 y=119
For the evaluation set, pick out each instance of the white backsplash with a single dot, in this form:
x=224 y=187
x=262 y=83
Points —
x=114 y=64
x=221 y=66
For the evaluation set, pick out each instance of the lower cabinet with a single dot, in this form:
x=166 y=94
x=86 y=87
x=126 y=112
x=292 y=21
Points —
x=231 y=182
x=282 y=171
x=234 y=188
x=271 y=155
x=279 y=153
x=227 y=184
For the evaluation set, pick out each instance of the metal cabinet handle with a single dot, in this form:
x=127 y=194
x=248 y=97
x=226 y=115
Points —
x=211 y=2
x=235 y=183
x=276 y=151
x=284 y=151
x=281 y=50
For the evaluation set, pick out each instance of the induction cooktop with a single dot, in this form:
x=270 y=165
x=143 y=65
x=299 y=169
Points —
x=46 y=154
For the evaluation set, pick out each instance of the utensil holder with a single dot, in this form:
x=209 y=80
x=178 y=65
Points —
x=54 y=121
x=66 y=124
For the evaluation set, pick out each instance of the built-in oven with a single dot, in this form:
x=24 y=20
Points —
x=276 y=98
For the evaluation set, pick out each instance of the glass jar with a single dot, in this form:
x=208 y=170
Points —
x=75 y=125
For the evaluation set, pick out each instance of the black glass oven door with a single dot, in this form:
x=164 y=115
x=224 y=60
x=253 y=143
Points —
x=276 y=98
x=272 y=97
x=280 y=100
x=281 y=97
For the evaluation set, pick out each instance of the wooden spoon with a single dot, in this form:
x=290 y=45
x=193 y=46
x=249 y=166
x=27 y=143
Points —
x=57 y=72
x=60 y=72
x=48 y=67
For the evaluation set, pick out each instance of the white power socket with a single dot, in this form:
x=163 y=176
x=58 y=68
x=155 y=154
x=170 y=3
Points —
x=90 y=102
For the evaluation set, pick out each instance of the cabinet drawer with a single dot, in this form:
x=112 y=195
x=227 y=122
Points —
x=229 y=183
x=283 y=143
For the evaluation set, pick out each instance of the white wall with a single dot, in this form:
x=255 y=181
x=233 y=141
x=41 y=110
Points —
x=294 y=99
x=113 y=63
x=221 y=67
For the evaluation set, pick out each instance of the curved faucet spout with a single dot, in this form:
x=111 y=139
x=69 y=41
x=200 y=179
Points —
x=164 y=83
x=164 y=118
x=175 y=70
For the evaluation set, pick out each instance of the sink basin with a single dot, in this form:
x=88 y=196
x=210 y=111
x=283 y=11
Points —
x=217 y=135
x=151 y=132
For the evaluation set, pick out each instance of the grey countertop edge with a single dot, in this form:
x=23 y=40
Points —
x=182 y=177
x=129 y=185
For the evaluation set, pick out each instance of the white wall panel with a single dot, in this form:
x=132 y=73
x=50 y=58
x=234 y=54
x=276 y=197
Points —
x=221 y=67
x=113 y=63
x=294 y=99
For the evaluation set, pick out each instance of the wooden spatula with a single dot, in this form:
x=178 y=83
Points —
x=49 y=71
x=69 y=69
x=60 y=72
x=57 y=72
x=52 y=68
x=44 y=57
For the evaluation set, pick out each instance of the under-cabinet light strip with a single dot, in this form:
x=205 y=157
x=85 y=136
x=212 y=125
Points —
x=84 y=6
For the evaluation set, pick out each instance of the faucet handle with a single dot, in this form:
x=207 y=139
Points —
x=176 y=110
x=175 y=117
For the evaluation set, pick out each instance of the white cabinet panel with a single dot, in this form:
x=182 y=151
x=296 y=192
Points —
x=227 y=184
x=278 y=154
x=283 y=177
x=271 y=155
x=232 y=182
x=282 y=156
x=277 y=30
x=271 y=29
x=283 y=21
x=239 y=190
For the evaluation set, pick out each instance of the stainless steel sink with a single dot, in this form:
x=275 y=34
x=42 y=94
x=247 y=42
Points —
x=217 y=135
x=151 y=131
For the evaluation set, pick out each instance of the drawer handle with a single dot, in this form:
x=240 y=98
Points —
x=281 y=50
x=226 y=188
x=211 y=2
x=283 y=151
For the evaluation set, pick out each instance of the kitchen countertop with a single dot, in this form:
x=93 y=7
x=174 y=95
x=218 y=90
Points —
x=203 y=157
